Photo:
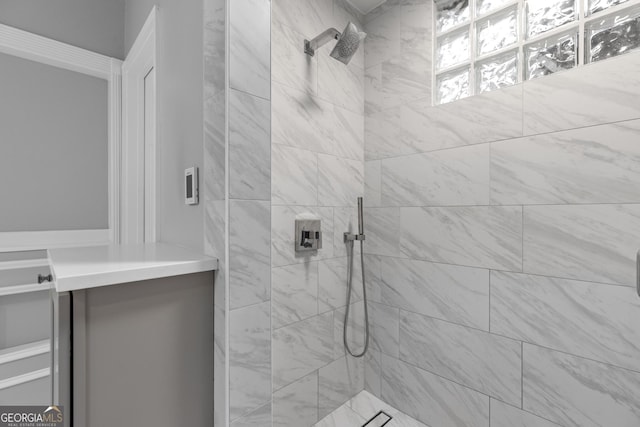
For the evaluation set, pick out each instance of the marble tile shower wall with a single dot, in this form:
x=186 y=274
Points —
x=249 y=215
x=317 y=155
x=238 y=204
x=502 y=231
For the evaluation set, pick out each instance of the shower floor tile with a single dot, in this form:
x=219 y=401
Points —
x=361 y=409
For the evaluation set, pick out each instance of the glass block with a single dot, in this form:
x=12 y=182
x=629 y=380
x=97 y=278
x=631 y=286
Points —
x=453 y=49
x=497 y=72
x=545 y=15
x=484 y=6
x=595 y=6
x=551 y=55
x=497 y=31
x=451 y=13
x=452 y=86
x=613 y=35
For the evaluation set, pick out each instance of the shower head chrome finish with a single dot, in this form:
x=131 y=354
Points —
x=348 y=42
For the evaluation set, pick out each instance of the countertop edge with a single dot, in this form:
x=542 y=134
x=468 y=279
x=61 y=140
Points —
x=198 y=263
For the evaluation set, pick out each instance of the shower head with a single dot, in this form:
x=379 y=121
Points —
x=348 y=42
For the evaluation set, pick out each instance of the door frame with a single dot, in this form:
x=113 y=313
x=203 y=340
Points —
x=139 y=146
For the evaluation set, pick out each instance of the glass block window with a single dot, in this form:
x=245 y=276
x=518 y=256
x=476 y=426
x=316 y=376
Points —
x=497 y=72
x=484 y=45
x=545 y=15
x=551 y=55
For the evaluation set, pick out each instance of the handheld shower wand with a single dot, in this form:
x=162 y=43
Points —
x=349 y=239
x=360 y=218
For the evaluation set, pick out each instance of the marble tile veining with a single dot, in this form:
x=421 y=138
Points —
x=214 y=244
x=259 y=417
x=382 y=228
x=431 y=399
x=219 y=366
x=577 y=392
x=338 y=382
x=372 y=373
x=249 y=359
x=372 y=183
x=340 y=181
x=288 y=66
x=294 y=176
x=297 y=404
x=373 y=277
x=384 y=328
x=250 y=47
x=448 y=292
x=214 y=147
x=491 y=116
x=404 y=78
x=301 y=348
x=586 y=319
x=588 y=242
x=387 y=136
x=332 y=288
x=598 y=164
x=443 y=178
x=383 y=37
x=294 y=293
x=214 y=45
x=478 y=236
x=305 y=121
x=480 y=360
x=308 y=17
x=602 y=92
x=249 y=259
x=355 y=330
x=345 y=220
x=340 y=84
x=249 y=147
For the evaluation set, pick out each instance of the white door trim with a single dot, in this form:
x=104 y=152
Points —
x=40 y=49
x=138 y=185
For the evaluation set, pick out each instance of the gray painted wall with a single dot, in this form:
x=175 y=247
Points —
x=53 y=156
x=180 y=94
x=96 y=25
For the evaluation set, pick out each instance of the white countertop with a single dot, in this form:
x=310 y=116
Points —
x=94 y=266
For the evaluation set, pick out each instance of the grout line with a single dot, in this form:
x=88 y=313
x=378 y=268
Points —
x=523 y=341
x=506 y=139
x=425 y=206
x=498 y=270
x=231 y=88
x=522 y=375
x=528 y=412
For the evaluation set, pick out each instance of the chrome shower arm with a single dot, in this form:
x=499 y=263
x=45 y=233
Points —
x=310 y=46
